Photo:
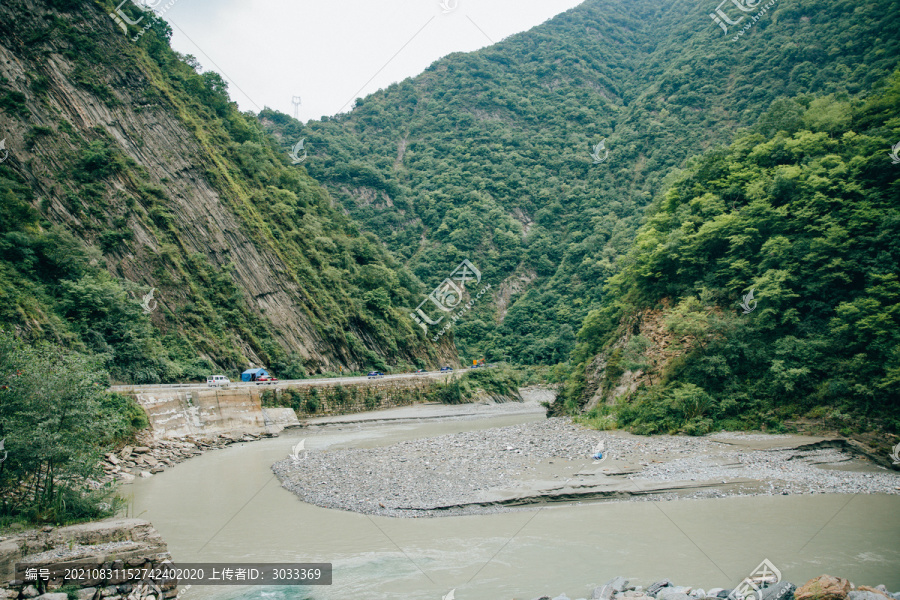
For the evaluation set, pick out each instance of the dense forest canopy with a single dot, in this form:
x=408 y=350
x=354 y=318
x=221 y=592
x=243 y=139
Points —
x=804 y=213
x=487 y=155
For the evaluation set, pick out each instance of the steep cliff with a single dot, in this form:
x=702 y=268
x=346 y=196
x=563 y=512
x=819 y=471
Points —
x=126 y=172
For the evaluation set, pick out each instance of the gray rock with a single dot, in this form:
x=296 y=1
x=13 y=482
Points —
x=673 y=593
x=673 y=596
x=714 y=592
x=698 y=593
x=86 y=593
x=723 y=594
x=54 y=596
x=654 y=588
x=779 y=591
x=109 y=590
x=609 y=589
x=561 y=597
x=30 y=591
x=864 y=595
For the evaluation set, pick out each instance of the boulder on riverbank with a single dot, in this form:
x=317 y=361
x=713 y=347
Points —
x=824 y=587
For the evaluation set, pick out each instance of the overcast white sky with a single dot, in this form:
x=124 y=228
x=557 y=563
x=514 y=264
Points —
x=330 y=52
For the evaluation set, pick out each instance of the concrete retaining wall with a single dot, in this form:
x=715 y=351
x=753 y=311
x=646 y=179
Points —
x=200 y=412
x=339 y=399
x=204 y=412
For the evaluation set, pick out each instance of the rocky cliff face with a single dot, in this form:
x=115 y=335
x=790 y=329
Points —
x=638 y=357
x=248 y=260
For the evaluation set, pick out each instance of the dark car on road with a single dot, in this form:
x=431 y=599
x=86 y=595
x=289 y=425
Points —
x=446 y=369
x=375 y=374
x=421 y=371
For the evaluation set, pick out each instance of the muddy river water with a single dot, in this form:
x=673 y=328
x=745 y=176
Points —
x=227 y=506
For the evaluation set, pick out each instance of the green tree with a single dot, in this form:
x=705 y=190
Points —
x=56 y=418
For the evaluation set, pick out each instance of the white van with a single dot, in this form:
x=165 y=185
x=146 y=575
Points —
x=217 y=380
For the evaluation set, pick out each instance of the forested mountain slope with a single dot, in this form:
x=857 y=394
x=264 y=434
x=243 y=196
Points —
x=764 y=284
x=125 y=172
x=487 y=155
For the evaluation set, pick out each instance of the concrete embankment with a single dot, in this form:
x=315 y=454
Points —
x=185 y=422
x=113 y=549
x=208 y=412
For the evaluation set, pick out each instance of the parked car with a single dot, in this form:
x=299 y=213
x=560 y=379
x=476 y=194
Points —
x=421 y=371
x=375 y=374
x=217 y=380
x=446 y=369
x=266 y=379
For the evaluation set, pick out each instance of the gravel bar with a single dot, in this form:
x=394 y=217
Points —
x=466 y=472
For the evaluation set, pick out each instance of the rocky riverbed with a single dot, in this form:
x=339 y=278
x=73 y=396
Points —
x=758 y=587
x=550 y=461
x=150 y=455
